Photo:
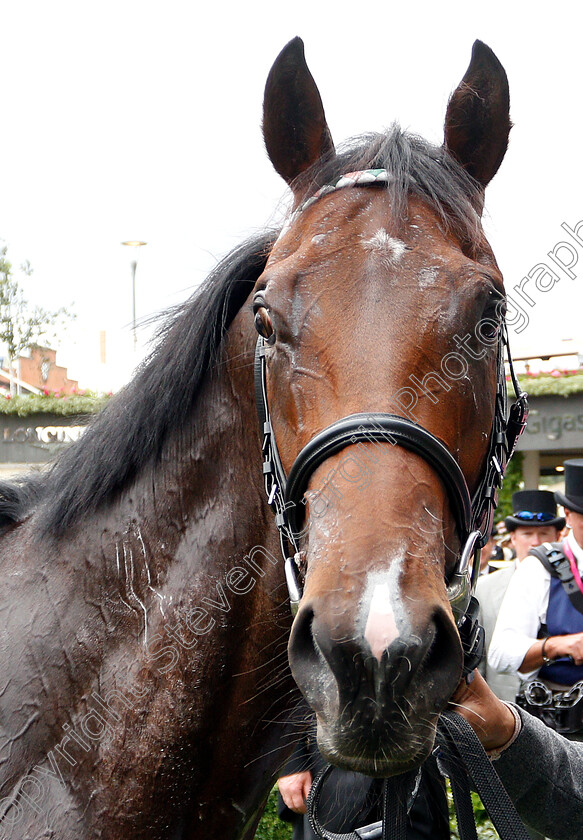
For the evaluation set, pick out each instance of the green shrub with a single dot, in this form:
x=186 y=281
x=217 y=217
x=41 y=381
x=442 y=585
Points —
x=485 y=829
x=270 y=826
x=512 y=483
x=86 y=402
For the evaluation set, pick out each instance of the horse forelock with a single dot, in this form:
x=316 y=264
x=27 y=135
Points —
x=417 y=168
x=130 y=432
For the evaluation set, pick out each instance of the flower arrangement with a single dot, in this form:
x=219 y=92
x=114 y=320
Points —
x=559 y=383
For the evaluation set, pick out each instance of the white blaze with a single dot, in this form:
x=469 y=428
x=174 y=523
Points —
x=381 y=628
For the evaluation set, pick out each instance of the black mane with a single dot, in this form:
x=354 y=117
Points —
x=130 y=432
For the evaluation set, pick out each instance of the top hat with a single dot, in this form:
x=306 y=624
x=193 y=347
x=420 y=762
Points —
x=534 y=509
x=572 y=498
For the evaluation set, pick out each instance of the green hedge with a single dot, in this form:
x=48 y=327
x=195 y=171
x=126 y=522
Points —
x=270 y=826
x=86 y=402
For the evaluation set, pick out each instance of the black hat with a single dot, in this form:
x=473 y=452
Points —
x=573 y=496
x=534 y=509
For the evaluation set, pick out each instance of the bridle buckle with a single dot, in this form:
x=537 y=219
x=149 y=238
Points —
x=462 y=582
x=294 y=586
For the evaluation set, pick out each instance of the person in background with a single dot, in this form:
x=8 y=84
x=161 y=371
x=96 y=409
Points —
x=539 y=630
x=491 y=551
x=541 y=771
x=534 y=520
x=503 y=539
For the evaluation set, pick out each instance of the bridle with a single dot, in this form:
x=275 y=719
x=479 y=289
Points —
x=473 y=514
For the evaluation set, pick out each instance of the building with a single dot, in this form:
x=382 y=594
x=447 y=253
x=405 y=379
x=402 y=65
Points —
x=554 y=431
x=39 y=372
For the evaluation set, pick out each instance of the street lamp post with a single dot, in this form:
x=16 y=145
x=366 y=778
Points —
x=135 y=244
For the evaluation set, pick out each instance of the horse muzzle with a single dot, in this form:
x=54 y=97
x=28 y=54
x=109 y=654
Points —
x=377 y=688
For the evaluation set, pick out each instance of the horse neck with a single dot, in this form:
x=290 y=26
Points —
x=190 y=516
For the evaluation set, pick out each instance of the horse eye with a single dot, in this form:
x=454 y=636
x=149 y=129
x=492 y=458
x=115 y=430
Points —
x=492 y=320
x=263 y=323
x=489 y=328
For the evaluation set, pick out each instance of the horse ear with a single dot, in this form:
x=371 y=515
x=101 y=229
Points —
x=294 y=125
x=477 y=122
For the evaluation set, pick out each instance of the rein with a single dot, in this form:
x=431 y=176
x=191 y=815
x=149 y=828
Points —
x=473 y=514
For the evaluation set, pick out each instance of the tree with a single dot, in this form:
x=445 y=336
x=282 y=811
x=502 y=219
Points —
x=22 y=324
x=513 y=481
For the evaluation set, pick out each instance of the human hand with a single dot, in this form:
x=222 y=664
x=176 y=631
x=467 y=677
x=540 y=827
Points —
x=294 y=790
x=571 y=645
x=489 y=717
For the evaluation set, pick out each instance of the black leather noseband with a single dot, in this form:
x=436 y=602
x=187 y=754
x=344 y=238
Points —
x=388 y=428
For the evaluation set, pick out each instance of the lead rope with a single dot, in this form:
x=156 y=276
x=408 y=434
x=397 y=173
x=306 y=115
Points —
x=462 y=757
x=462 y=754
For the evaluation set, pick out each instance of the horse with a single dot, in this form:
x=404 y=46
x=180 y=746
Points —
x=145 y=686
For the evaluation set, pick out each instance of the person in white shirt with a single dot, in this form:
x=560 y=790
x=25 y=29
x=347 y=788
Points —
x=534 y=521
x=536 y=624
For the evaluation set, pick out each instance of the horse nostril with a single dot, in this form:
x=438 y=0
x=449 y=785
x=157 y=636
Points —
x=309 y=666
x=334 y=672
x=302 y=648
x=444 y=656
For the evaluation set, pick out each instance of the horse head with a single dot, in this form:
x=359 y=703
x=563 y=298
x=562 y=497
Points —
x=381 y=297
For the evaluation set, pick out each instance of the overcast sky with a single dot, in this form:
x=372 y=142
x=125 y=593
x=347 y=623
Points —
x=126 y=120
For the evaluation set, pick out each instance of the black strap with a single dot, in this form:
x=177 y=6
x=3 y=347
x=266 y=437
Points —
x=312 y=809
x=472 y=636
x=398 y=795
x=553 y=558
x=395 y=796
x=462 y=757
